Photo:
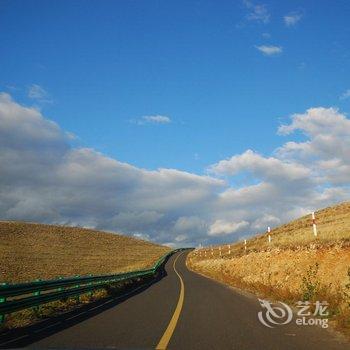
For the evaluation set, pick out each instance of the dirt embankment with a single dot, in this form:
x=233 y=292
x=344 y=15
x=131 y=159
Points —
x=295 y=265
x=288 y=275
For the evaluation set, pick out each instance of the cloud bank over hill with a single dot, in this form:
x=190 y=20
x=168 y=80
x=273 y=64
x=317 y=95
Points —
x=44 y=178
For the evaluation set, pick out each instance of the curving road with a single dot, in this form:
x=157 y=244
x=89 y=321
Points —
x=182 y=310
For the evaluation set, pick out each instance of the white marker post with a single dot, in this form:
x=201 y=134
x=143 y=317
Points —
x=314 y=223
x=245 y=245
x=212 y=251
x=229 y=249
x=269 y=237
x=220 y=251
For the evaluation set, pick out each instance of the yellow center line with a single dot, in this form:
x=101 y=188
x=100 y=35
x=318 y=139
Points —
x=164 y=341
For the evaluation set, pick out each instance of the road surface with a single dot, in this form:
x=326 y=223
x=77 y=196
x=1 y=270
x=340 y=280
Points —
x=182 y=310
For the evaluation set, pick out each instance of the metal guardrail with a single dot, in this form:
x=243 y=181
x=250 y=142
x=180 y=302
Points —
x=27 y=295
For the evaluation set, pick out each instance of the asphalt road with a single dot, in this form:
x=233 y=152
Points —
x=182 y=310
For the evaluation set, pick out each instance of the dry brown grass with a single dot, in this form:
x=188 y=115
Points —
x=30 y=251
x=333 y=226
x=276 y=270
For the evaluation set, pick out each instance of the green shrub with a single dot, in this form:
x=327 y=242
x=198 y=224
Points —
x=310 y=283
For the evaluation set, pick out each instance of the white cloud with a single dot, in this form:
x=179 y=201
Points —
x=266 y=35
x=266 y=220
x=180 y=238
x=136 y=221
x=189 y=223
x=223 y=227
x=44 y=178
x=269 y=50
x=317 y=120
x=327 y=149
x=266 y=168
x=153 y=119
x=257 y=12
x=145 y=237
x=292 y=19
x=345 y=95
x=38 y=93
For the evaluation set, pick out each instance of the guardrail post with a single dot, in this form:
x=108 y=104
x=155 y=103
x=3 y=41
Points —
x=60 y=288
x=37 y=293
x=77 y=298
x=90 y=284
x=2 y=300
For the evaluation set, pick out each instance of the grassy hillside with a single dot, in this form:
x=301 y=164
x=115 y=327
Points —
x=30 y=251
x=294 y=266
x=333 y=226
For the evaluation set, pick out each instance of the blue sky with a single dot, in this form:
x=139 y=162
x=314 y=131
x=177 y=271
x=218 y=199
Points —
x=185 y=85
x=104 y=63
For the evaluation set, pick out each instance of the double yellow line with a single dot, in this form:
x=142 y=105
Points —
x=164 y=341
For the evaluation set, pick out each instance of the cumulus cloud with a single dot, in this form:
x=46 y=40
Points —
x=143 y=236
x=326 y=150
x=264 y=221
x=257 y=12
x=292 y=19
x=189 y=223
x=44 y=178
x=317 y=120
x=223 y=227
x=180 y=238
x=269 y=50
x=266 y=168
